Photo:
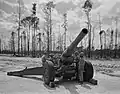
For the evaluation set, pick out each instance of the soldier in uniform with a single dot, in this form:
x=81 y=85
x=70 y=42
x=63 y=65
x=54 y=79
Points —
x=81 y=67
x=76 y=56
x=44 y=58
x=76 y=60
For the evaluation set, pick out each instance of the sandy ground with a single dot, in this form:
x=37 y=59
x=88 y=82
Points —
x=34 y=84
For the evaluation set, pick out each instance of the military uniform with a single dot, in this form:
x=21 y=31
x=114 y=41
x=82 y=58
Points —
x=76 y=56
x=81 y=68
x=76 y=60
x=43 y=58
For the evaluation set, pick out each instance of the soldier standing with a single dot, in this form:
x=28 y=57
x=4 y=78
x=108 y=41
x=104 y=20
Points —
x=76 y=60
x=44 y=58
x=81 y=68
x=76 y=56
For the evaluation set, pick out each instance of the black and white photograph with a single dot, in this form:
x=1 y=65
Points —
x=59 y=47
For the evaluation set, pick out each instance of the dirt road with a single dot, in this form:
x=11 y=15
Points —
x=34 y=84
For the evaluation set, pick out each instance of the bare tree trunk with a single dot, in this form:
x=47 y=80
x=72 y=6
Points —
x=116 y=33
x=105 y=40
x=48 y=42
x=101 y=44
x=33 y=41
x=28 y=38
x=13 y=45
x=21 y=47
x=24 y=43
x=0 y=46
x=93 y=36
x=39 y=44
x=50 y=31
x=89 y=40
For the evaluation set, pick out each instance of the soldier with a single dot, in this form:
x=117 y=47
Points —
x=44 y=58
x=76 y=60
x=76 y=56
x=81 y=67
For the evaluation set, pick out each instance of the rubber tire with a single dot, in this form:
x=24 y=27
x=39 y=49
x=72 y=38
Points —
x=49 y=71
x=89 y=71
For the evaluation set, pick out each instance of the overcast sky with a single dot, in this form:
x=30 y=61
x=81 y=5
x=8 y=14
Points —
x=73 y=8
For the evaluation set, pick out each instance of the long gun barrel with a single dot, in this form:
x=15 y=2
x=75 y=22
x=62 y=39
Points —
x=68 y=52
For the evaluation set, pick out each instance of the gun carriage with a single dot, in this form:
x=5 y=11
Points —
x=52 y=67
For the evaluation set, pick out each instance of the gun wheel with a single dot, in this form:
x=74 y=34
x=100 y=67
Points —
x=46 y=76
x=89 y=71
x=49 y=73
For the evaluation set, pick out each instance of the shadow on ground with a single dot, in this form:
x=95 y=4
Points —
x=70 y=85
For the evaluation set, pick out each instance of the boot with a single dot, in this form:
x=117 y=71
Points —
x=80 y=82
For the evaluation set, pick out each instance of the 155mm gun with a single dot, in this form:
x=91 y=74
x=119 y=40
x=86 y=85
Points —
x=53 y=68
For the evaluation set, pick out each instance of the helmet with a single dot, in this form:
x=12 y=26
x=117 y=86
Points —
x=76 y=53
x=81 y=54
x=43 y=58
x=45 y=52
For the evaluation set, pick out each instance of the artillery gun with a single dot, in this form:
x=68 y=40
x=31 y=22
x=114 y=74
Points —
x=50 y=68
